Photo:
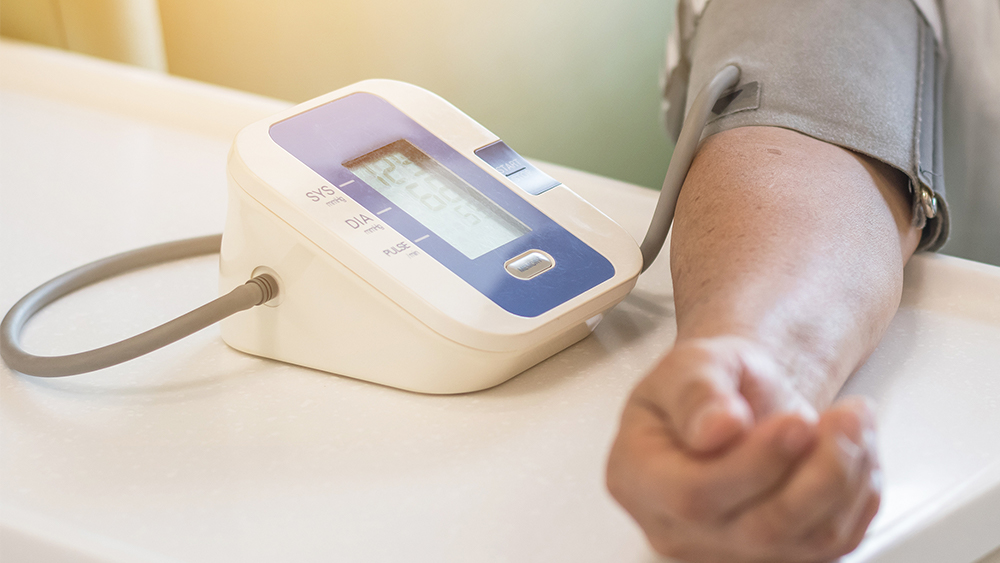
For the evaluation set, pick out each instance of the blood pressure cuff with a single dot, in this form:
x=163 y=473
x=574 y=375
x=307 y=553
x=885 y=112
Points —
x=867 y=76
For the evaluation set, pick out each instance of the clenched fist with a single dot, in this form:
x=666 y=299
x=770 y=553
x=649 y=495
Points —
x=719 y=462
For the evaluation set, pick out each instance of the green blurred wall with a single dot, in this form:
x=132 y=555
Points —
x=573 y=82
x=569 y=81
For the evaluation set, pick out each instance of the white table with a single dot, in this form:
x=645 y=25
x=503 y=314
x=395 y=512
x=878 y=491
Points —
x=200 y=453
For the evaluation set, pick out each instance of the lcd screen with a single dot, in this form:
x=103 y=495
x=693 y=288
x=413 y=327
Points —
x=444 y=203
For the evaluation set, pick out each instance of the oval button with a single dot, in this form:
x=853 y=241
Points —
x=529 y=264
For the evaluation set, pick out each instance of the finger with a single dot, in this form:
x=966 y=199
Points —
x=824 y=487
x=696 y=386
x=636 y=466
x=757 y=466
x=861 y=524
x=841 y=534
x=848 y=428
x=662 y=474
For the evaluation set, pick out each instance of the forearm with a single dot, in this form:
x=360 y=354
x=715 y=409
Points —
x=795 y=245
x=787 y=257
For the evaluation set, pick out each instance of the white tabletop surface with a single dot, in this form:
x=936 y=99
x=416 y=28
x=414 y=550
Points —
x=201 y=453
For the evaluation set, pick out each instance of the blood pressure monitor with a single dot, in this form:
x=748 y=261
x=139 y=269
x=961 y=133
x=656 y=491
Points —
x=412 y=247
x=387 y=236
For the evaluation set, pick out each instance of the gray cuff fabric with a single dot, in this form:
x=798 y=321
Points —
x=867 y=76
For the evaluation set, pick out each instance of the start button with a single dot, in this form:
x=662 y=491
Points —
x=529 y=264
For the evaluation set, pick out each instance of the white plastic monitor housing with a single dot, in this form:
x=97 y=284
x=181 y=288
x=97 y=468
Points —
x=350 y=306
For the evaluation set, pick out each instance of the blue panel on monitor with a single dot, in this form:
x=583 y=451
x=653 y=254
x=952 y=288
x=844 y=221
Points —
x=326 y=137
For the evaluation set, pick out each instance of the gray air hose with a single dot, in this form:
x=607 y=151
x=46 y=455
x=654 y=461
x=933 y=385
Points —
x=680 y=161
x=257 y=291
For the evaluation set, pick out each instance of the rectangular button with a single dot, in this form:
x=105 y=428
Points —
x=529 y=264
x=504 y=160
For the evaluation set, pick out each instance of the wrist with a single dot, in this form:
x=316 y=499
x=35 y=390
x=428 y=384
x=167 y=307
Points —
x=799 y=367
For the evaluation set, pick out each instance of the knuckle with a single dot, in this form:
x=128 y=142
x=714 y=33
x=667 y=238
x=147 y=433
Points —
x=665 y=536
x=834 y=539
x=774 y=524
x=841 y=534
x=771 y=534
x=691 y=500
x=837 y=476
x=830 y=537
x=666 y=544
x=763 y=534
x=677 y=543
x=691 y=506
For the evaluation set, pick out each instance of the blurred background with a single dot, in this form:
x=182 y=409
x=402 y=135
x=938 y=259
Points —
x=574 y=82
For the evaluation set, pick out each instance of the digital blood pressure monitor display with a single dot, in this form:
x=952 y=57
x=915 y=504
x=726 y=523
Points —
x=435 y=201
x=440 y=200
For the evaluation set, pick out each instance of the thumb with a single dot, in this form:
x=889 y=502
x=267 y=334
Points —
x=697 y=387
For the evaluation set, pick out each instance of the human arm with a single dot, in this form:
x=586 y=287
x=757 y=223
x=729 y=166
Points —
x=787 y=258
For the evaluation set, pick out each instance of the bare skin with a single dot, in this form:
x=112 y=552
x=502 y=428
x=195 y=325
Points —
x=787 y=260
